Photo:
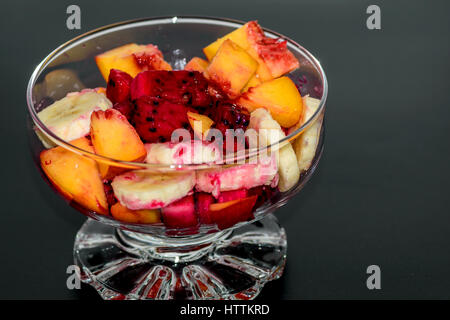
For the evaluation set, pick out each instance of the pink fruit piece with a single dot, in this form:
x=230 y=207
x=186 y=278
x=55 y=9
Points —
x=118 y=88
x=202 y=202
x=227 y=115
x=126 y=108
x=189 y=88
x=155 y=119
x=180 y=214
x=110 y=198
x=232 y=195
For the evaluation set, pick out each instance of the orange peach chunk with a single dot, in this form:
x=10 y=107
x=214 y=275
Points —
x=272 y=54
x=280 y=96
x=132 y=59
x=76 y=176
x=196 y=64
x=114 y=137
x=122 y=213
x=231 y=68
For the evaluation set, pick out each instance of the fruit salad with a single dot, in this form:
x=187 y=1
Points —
x=190 y=133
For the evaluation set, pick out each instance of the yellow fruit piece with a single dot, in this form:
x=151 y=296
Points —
x=279 y=96
x=238 y=36
x=122 y=213
x=76 y=177
x=199 y=123
x=196 y=64
x=114 y=137
x=273 y=56
x=253 y=82
x=231 y=68
x=124 y=58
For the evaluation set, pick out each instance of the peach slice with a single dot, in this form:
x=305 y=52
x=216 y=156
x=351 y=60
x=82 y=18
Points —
x=253 y=82
x=227 y=214
x=231 y=68
x=122 y=213
x=199 y=123
x=196 y=64
x=76 y=176
x=272 y=54
x=114 y=137
x=132 y=59
x=280 y=96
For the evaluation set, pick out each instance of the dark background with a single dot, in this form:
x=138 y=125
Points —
x=381 y=192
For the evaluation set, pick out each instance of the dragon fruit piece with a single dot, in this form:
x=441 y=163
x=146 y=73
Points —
x=180 y=214
x=202 y=202
x=155 y=119
x=126 y=108
x=118 y=88
x=181 y=87
x=232 y=195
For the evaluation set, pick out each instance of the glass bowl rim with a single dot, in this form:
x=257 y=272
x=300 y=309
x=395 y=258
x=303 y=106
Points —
x=168 y=20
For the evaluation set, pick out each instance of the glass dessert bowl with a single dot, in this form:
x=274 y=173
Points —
x=178 y=171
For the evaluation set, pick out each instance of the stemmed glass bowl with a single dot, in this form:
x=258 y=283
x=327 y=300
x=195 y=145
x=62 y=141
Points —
x=124 y=260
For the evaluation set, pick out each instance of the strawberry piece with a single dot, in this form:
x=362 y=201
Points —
x=180 y=214
x=118 y=88
x=226 y=196
x=155 y=119
x=229 y=213
x=189 y=88
x=126 y=108
x=202 y=202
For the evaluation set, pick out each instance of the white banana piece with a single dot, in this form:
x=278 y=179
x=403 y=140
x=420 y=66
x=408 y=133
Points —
x=182 y=152
x=305 y=146
x=270 y=132
x=70 y=117
x=141 y=189
x=248 y=175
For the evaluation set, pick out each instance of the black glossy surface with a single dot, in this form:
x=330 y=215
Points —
x=379 y=196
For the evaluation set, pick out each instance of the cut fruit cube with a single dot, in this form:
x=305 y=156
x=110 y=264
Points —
x=253 y=82
x=196 y=64
x=272 y=54
x=202 y=202
x=180 y=214
x=232 y=195
x=132 y=59
x=114 y=137
x=199 y=123
x=280 y=96
x=227 y=214
x=76 y=176
x=231 y=68
x=122 y=213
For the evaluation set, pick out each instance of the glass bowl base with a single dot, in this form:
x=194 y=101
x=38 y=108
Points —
x=231 y=264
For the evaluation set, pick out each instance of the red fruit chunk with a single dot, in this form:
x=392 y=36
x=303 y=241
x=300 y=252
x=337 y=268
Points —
x=183 y=87
x=180 y=214
x=229 y=213
x=118 y=88
x=155 y=119
x=263 y=193
x=126 y=108
x=227 y=115
x=110 y=198
x=226 y=196
x=202 y=202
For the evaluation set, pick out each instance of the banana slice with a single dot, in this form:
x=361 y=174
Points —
x=269 y=132
x=182 y=153
x=246 y=176
x=305 y=146
x=139 y=190
x=70 y=117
